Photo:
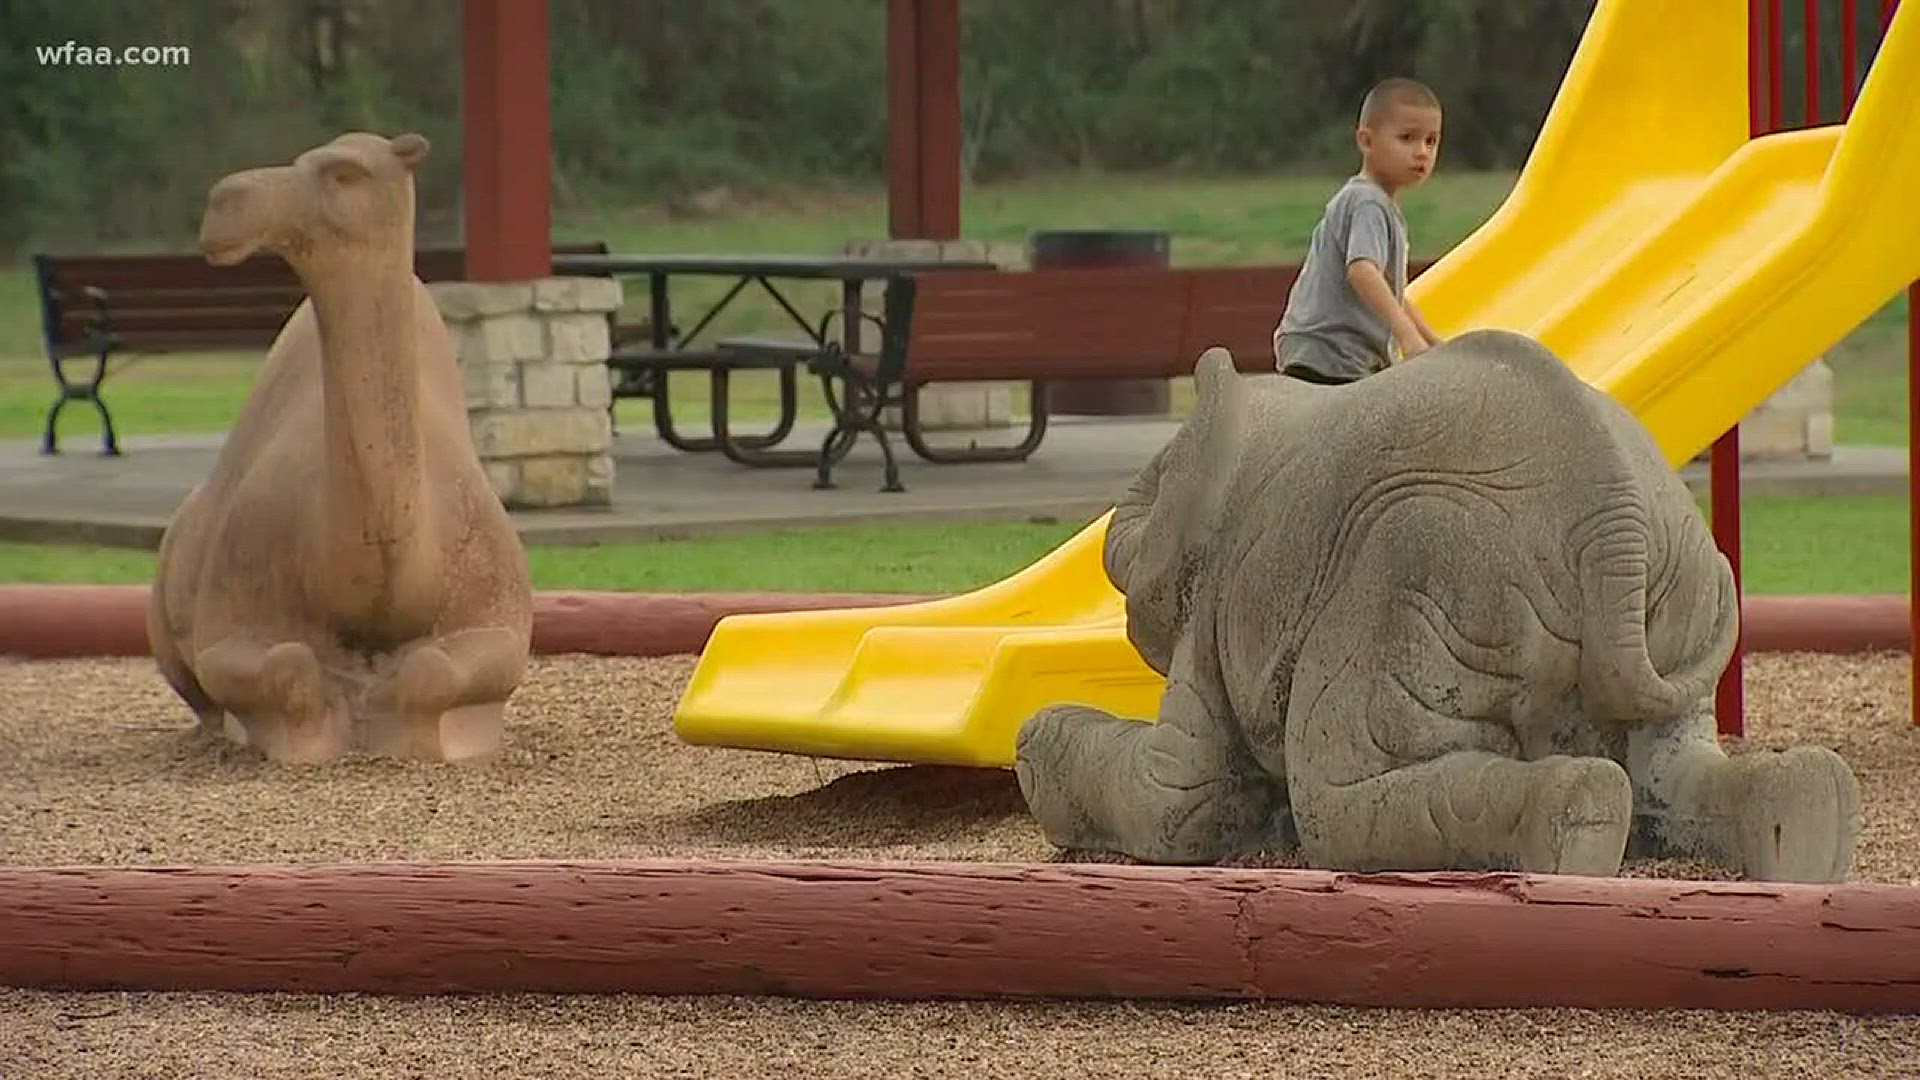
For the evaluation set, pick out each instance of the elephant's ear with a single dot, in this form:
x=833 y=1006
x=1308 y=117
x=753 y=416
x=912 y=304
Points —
x=1194 y=477
x=1220 y=431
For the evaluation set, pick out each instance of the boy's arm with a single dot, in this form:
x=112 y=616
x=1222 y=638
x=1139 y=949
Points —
x=1421 y=325
x=1371 y=286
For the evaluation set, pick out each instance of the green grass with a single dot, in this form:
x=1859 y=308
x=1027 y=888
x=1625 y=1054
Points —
x=888 y=558
x=1825 y=545
x=1793 y=545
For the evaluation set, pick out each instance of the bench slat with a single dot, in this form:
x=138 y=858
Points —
x=123 y=323
x=191 y=271
x=197 y=340
x=1237 y=308
x=1050 y=324
x=118 y=301
x=74 y=273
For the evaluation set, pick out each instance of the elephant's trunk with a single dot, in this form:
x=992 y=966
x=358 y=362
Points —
x=1619 y=679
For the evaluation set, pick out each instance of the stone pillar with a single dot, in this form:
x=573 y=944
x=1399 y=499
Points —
x=533 y=356
x=946 y=406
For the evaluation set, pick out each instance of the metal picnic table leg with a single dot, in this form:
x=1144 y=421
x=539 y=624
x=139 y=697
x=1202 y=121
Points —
x=753 y=451
x=1020 y=451
x=660 y=309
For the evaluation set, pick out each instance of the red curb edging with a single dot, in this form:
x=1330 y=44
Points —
x=1830 y=624
x=44 y=622
x=968 y=931
x=663 y=624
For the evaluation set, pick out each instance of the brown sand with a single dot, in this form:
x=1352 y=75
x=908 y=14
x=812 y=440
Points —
x=97 y=766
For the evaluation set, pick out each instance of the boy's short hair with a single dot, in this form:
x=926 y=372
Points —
x=1396 y=91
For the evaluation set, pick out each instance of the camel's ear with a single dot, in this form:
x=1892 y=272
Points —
x=411 y=149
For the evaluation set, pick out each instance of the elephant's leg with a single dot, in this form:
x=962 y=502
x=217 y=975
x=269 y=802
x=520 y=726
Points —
x=449 y=695
x=1786 y=816
x=1473 y=810
x=1182 y=790
x=276 y=695
x=1399 y=756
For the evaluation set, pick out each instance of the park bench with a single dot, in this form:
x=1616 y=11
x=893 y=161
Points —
x=94 y=307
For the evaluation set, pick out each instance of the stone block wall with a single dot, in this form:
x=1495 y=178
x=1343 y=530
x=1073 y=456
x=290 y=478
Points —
x=533 y=357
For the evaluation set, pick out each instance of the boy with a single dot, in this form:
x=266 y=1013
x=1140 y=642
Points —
x=1348 y=315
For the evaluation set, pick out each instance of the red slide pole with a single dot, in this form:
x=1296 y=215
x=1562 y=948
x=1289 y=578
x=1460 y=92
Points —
x=1913 y=486
x=1724 y=483
x=1723 y=467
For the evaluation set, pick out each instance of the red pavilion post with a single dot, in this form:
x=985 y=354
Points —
x=923 y=119
x=506 y=127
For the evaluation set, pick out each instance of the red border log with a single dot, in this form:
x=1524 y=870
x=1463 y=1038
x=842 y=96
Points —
x=45 y=622
x=662 y=624
x=921 y=930
x=1826 y=624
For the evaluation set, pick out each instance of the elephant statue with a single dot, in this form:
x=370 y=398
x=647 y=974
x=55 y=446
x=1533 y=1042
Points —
x=1457 y=615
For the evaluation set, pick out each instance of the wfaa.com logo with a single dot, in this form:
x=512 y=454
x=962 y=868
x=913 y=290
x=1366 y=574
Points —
x=74 y=54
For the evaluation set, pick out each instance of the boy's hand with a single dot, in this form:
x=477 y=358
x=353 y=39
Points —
x=1426 y=332
x=1371 y=286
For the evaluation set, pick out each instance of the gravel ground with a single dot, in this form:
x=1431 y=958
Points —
x=210 y=1037
x=97 y=765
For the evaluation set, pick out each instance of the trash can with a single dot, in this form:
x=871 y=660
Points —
x=1088 y=249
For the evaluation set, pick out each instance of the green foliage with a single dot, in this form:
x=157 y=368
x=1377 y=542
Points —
x=657 y=101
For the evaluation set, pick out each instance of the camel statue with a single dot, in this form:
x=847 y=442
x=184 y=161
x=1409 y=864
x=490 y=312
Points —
x=345 y=579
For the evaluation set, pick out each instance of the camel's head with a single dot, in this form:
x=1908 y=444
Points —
x=356 y=191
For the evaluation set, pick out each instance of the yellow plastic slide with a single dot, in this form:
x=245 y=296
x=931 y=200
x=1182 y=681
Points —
x=1668 y=259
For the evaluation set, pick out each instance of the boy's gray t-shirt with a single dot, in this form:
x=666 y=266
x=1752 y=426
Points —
x=1326 y=327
